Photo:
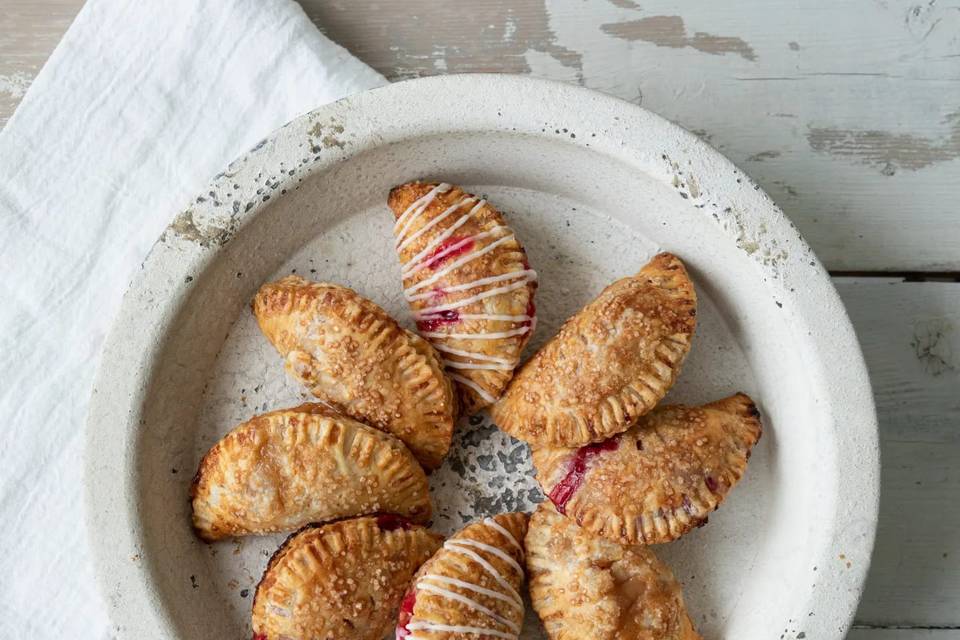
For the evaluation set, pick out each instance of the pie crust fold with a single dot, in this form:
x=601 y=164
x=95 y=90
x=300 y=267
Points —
x=585 y=586
x=471 y=587
x=658 y=480
x=340 y=580
x=610 y=363
x=353 y=356
x=285 y=469
x=468 y=283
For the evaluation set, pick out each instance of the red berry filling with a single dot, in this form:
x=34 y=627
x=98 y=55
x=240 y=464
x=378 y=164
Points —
x=390 y=522
x=561 y=493
x=259 y=636
x=449 y=248
x=531 y=313
x=436 y=320
x=406 y=613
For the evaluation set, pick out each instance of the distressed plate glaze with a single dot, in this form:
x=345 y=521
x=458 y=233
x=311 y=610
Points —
x=594 y=186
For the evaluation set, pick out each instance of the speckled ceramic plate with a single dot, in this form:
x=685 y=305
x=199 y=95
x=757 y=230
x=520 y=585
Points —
x=594 y=187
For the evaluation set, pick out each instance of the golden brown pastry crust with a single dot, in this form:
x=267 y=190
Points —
x=288 y=468
x=340 y=580
x=659 y=479
x=584 y=586
x=442 y=253
x=610 y=363
x=352 y=355
x=472 y=583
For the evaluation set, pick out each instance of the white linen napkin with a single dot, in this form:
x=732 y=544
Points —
x=138 y=107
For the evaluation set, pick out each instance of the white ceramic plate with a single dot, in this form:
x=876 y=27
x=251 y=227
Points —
x=593 y=186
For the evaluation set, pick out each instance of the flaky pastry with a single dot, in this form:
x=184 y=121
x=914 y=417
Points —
x=340 y=580
x=468 y=282
x=585 y=586
x=471 y=587
x=659 y=479
x=285 y=469
x=352 y=355
x=609 y=364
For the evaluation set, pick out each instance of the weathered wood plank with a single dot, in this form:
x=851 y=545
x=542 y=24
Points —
x=29 y=31
x=903 y=634
x=910 y=334
x=847 y=113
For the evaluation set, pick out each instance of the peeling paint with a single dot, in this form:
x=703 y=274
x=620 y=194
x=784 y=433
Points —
x=933 y=346
x=763 y=155
x=15 y=85
x=490 y=37
x=669 y=31
x=888 y=151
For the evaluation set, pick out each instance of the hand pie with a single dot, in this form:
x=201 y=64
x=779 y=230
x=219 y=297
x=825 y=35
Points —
x=355 y=357
x=288 y=468
x=470 y=587
x=609 y=364
x=658 y=480
x=584 y=586
x=468 y=282
x=340 y=580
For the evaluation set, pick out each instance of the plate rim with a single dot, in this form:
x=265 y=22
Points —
x=195 y=236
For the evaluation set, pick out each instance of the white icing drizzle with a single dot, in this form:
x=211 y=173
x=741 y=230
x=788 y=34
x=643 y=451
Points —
x=470 y=602
x=496 y=526
x=418 y=261
x=470 y=354
x=511 y=597
x=516 y=604
x=416 y=208
x=490 y=549
x=456 y=377
x=491 y=335
x=451 y=546
x=492 y=286
x=489 y=293
x=528 y=274
x=430 y=225
x=454 y=628
x=459 y=262
x=457 y=364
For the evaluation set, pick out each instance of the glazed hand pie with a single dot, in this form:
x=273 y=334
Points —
x=340 y=580
x=355 y=357
x=471 y=587
x=608 y=365
x=584 y=586
x=468 y=282
x=658 y=480
x=288 y=468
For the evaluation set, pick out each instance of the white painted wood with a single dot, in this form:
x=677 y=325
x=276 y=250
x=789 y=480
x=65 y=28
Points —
x=903 y=634
x=848 y=113
x=910 y=333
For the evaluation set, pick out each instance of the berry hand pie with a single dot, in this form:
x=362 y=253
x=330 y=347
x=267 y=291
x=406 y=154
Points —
x=340 y=580
x=471 y=587
x=468 y=282
x=288 y=468
x=657 y=480
x=355 y=357
x=584 y=586
x=608 y=365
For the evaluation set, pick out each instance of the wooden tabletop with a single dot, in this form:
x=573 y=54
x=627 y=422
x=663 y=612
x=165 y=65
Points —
x=847 y=112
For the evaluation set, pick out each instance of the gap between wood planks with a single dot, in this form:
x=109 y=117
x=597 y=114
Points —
x=906 y=276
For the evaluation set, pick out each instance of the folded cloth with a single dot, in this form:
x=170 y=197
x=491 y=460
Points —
x=138 y=107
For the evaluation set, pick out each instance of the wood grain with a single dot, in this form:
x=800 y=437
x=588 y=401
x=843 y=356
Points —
x=903 y=634
x=847 y=113
x=910 y=334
